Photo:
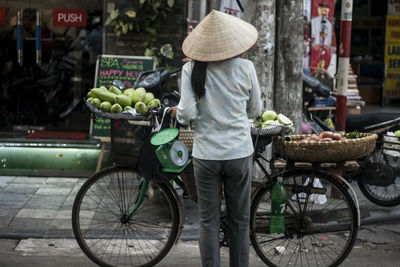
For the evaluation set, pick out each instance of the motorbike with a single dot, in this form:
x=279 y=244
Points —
x=379 y=174
x=156 y=81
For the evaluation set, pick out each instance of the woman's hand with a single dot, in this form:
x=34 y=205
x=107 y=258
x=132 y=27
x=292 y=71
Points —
x=173 y=110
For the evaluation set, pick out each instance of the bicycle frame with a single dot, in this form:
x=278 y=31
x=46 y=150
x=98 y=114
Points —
x=315 y=168
x=142 y=193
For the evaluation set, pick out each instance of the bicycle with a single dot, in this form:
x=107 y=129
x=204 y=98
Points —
x=120 y=218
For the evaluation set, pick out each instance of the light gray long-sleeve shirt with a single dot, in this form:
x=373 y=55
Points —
x=221 y=117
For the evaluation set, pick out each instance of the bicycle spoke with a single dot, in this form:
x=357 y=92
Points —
x=107 y=236
x=317 y=233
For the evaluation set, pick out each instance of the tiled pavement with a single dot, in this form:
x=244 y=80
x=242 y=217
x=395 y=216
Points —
x=36 y=207
x=40 y=207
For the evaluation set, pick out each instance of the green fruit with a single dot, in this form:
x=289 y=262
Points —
x=95 y=92
x=129 y=92
x=148 y=98
x=123 y=100
x=397 y=133
x=154 y=103
x=267 y=123
x=116 y=108
x=257 y=122
x=90 y=99
x=90 y=94
x=103 y=88
x=113 y=89
x=107 y=96
x=269 y=115
x=284 y=120
x=141 y=108
x=139 y=95
x=127 y=108
x=105 y=106
x=96 y=102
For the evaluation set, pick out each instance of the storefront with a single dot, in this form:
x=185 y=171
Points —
x=48 y=51
x=47 y=55
x=373 y=51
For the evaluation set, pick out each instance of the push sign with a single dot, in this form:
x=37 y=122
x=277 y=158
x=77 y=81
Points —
x=69 y=17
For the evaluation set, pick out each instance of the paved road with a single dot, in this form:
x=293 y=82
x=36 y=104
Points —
x=369 y=251
x=35 y=229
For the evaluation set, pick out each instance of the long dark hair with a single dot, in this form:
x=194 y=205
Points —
x=198 y=78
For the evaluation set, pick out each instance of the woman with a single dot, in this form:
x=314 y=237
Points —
x=220 y=92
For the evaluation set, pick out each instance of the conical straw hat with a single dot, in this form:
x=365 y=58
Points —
x=219 y=36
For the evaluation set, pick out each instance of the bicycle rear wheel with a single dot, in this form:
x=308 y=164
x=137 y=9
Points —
x=389 y=166
x=101 y=226
x=320 y=218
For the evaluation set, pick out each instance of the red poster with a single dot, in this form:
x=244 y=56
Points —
x=323 y=45
x=2 y=16
x=69 y=17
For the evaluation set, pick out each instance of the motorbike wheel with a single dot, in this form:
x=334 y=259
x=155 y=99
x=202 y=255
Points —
x=386 y=196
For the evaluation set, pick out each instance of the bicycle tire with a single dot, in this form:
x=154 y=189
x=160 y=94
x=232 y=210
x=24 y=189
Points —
x=97 y=219
x=385 y=196
x=311 y=234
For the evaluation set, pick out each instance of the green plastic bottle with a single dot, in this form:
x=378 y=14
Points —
x=278 y=202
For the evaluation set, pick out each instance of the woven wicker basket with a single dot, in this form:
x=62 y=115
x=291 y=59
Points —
x=186 y=136
x=116 y=116
x=333 y=151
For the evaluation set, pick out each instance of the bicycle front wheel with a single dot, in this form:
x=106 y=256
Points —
x=110 y=238
x=320 y=222
x=388 y=165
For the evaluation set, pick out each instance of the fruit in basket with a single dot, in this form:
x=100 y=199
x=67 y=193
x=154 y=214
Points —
x=269 y=115
x=105 y=106
x=129 y=92
x=127 y=108
x=269 y=123
x=139 y=95
x=284 y=120
x=116 y=108
x=337 y=136
x=148 y=98
x=353 y=135
x=323 y=137
x=90 y=99
x=96 y=102
x=154 y=103
x=90 y=94
x=141 y=108
x=123 y=100
x=95 y=92
x=397 y=133
x=270 y=118
x=115 y=90
x=103 y=88
x=108 y=97
x=326 y=134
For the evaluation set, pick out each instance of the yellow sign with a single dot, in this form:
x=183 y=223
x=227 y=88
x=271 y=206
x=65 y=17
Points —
x=392 y=58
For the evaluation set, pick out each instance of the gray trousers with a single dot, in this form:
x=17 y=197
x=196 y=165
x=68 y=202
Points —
x=236 y=177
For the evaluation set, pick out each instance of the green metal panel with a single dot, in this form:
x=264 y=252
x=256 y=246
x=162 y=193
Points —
x=28 y=156
x=49 y=158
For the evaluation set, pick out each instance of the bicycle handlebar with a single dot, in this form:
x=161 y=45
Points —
x=139 y=123
x=153 y=112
